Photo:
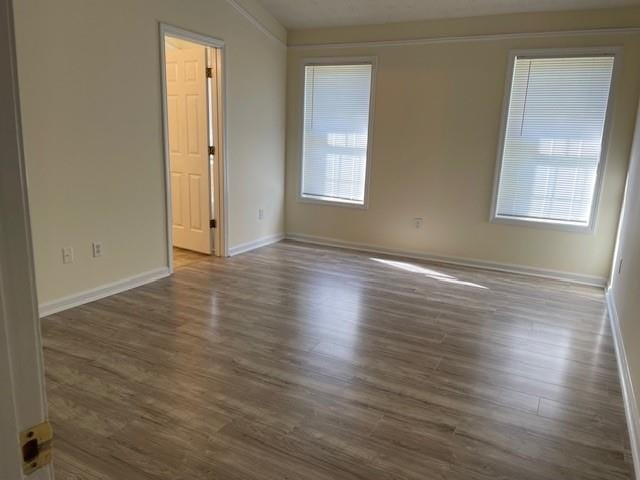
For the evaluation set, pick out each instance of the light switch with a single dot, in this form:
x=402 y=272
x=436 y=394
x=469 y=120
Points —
x=67 y=255
x=96 y=249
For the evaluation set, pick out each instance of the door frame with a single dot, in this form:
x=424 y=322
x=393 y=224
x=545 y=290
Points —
x=219 y=179
x=23 y=403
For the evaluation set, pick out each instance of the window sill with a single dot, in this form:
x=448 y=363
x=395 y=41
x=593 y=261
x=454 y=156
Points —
x=548 y=224
x=332 y=203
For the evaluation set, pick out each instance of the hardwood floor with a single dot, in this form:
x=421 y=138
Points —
x=298 y=362
x=182 y=257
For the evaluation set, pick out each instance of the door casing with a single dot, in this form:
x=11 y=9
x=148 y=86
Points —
x=23 y=401
x=220 y=175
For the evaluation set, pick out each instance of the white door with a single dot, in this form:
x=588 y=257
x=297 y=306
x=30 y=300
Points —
x=22 y=393
x=189 y=148
x=215 y=120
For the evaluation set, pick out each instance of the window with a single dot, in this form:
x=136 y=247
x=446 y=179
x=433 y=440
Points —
x=551 y=151
x=335 y=135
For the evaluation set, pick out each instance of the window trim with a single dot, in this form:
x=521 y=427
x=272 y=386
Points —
x=359 y=60
x=616 y=53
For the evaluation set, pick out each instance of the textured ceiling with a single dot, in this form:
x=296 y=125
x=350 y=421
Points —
x=330 y=13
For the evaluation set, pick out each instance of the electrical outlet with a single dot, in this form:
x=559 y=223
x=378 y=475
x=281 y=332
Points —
x=417 y=222
x=96 y=249
x=67 y=255
x=260 y=213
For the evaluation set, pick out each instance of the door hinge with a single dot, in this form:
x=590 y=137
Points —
x=37 y=450
x=212 y=150
x=209 y=72
x=213 y=223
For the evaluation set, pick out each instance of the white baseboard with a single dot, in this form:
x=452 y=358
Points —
x=261 y=242
x=103 y=291
x=466 y=262
x=628 y=394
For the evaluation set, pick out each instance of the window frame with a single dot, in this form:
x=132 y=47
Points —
x=566 y=226
x=350 y=60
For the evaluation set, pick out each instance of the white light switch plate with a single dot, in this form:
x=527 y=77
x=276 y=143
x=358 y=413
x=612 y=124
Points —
x=67 y=255
x=96 y=249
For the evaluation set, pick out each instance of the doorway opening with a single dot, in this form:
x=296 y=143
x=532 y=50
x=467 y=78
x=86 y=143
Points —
x=193 y=117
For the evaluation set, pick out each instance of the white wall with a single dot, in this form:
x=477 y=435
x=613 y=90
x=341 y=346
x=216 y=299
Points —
x=625 y=290
x=91 y=99
x=438 y=109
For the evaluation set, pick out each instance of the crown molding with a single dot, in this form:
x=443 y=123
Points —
x=469 y=38
x=255 y=22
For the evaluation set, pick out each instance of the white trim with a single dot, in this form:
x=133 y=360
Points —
x=223 y=156
x=589 y=228
x=103 y=291
x=469 y=38
x=255 y=22
x=23 y=401
x=329 y=202
x=628 y=394
x=261 y=242
x=462 y=261
x=173 y=31
x=351 y=60
x=221 y=210
x=223 y=149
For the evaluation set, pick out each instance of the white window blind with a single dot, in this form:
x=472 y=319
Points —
x=336 y=132
x=553 y=139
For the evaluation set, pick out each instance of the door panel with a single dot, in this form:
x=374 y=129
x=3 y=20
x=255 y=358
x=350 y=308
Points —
x=195 y=214
x=176 y=200
x=188 y=146
x=174 y=131
x=193 y=127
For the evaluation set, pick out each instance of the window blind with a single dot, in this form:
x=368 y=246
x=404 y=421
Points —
x=336 y=132
x=553 y=138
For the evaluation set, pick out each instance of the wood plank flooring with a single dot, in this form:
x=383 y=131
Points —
x=300 y=362
x=182 y=257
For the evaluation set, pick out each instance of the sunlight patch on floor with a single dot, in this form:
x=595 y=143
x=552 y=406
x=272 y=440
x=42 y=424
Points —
x=442 y=277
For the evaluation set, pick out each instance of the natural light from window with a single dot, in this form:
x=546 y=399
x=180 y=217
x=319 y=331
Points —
x=553 y=138
x=336 y=132
x=427 y=272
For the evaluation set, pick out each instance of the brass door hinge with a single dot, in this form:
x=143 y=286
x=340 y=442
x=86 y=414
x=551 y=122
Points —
x=213 y=223
x=36 y=443
x=209 y=72
x=212 y=150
